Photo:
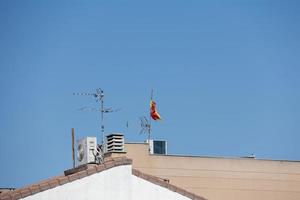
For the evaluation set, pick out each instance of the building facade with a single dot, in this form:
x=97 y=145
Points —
x=218 y=178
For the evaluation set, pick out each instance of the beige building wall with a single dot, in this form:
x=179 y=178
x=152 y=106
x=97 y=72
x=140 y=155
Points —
x=222 y=178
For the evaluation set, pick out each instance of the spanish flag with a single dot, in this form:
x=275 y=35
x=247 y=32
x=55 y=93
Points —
x=153 y=113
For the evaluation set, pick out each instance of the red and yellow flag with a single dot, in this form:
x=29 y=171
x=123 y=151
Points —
x=153 y=112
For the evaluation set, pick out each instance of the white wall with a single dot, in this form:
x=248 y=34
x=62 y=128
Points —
x=144 y=190
x=113 y=184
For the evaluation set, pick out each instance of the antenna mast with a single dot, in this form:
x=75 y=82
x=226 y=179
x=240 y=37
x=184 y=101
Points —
x=101 y=99
x=99 y=95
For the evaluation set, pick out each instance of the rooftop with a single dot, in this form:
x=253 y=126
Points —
x=87 y=170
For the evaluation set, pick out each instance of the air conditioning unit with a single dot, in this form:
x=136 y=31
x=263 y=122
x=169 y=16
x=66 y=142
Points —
x=86 y=150
x=158 y=147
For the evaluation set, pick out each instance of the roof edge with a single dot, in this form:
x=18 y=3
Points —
x=87 y=170
x=165 y=183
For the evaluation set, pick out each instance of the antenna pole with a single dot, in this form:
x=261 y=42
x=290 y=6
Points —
x=73 y=151
x=99 y=95
x=102 y=115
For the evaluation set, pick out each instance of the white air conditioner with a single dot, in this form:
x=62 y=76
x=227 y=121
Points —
x=86 y=150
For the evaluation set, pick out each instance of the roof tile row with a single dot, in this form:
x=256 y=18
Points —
x=87 y=170
x=61 y=180
x=166 y=184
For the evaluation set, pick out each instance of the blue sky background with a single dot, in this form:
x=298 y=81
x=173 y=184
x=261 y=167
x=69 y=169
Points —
x=225 y=74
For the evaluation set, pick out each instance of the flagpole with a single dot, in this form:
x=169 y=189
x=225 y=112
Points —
x=150 y=118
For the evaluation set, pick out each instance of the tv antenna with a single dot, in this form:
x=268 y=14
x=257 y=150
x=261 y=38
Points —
x=145 y=125
x=99 y=95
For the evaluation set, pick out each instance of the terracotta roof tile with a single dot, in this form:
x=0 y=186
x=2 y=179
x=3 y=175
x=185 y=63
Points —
x=166 y=184
x=6 y=197
x=92 y=170
x=25 y=192
x=63 y=180
x=34 y=189
x=100 y=168
x=87 y=170
x=54 y=183
x=71 y=175
x=16 y=196
x=109 y=164
x=43 y=186
x=82 y=174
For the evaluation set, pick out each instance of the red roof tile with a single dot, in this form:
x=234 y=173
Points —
x=164 y=183
x=71 y=175
x=87 y=170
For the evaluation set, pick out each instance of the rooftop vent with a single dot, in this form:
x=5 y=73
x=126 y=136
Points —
x=115 y=143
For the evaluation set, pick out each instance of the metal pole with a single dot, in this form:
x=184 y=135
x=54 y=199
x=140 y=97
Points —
x=102 y=118
x=73 y=150
x=102 y=123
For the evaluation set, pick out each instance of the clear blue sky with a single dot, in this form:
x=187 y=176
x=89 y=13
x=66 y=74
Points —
x=225 y=74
